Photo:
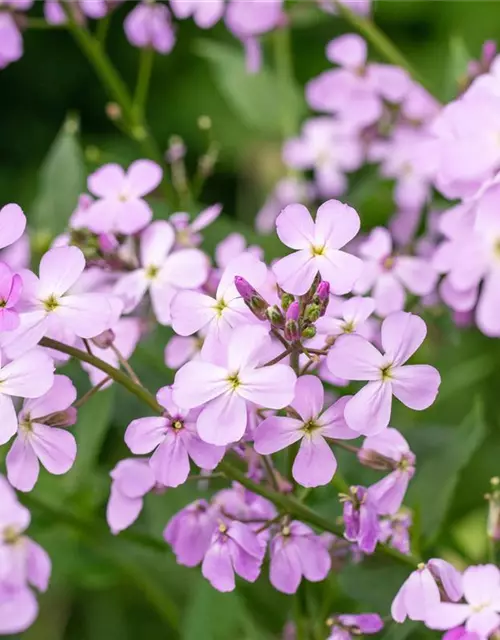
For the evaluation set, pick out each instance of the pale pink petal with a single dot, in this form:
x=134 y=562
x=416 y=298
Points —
x=191 y=311
x=88 y=314
x=487 y=313
x=18 y=611
x=133 y=477
x=389 y=492
x=12 y=224
x=369 y=411
x=29 y=376
x=108 y=180
x=102 y=215
x=131 y=289
x=143 y=176
x=377 y=246
x=357 y=309
x=417 y=274
x=295 y=227
x=416 y=386
x=354 y=358
x=295 y=273
x=22 y=465
x=398 y=608
x=179 y=350
x=389 y=294
x=218 y=569
x=61 y=395
x=481 y=584
x=447 y=615
x=223 y=420
x=162 y=294
x=348 y=51
x=401 y=335
x=145 y=434
x=309 y=397
x=170 y=462
x=198 y=382
x=206 y=217
x=336 y=224
x=285 y=571
x=341 y=269
x=272 y=387
x=59 y=270
x=315 y=463
x=421 y=594
x=333 y=424
x=55 y=448
x=246 y=346
x=245 y=265
x=484 y=623
x=276 y=433
x=122 y=511
x=186 y=269
x=156 y=243
x=132 y=216
x=205 y=456
x=315 y=558
x=8 y=419
x=39 y=566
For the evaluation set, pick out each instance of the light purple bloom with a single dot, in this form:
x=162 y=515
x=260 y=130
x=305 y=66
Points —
x=132 y=479
x=234 y=549
x=180 y=349
x=161 y=272
x=205 y=13
x=10 y=291
x=187 y=232
x=296 y=552
x=150 y=25
x=347 y=317
x=394 y=531
x=354 y=358
x=420 y=594
x=317 y=244
x=315 y=463
x=12 y=223
x=121 y=207
x=360 y=519
x=347 y=625
x=11 y=41
x=174 y=440
x=38 y=438
x=389 y=492
x=190 y=532
x=18 y=610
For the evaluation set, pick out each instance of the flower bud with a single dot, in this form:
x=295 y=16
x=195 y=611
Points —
x=275 y=316
x=108 y=243
x=252 y=298
x=66 y=418
x=312 y=312
x=309 y=332
x=113 y=111
x=286 y=300
x=104 y=339
x=322 y=296
x=375 y=460
x=292 y=331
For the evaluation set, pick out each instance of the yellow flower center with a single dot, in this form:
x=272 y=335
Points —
x=51 y=303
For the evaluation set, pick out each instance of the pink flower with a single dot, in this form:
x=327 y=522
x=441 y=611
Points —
x=388 y=276
x=131 y=480
x=361 y=519
x=190 y=531
x=347 y=317
x=51 y=308
x=10 y=292
x=224 y=390
x=329 y=148
x=480 y=613
x=174 y=440
x=234 y=548
x=317 y=243
x=12 y=222
x=150 y=25
x=179 y=350
x=187 y=232
x=121 y=207
x=11 y=41
x=161 y=272
x=419 y=594
x=389 y=492
x=205 y=13
x=18 y=610
x=193 y=311
x=38 y=439
x=315 y=463
x=354 y=358
x=29 y=376
x=348 y=626
x=297 y=551
x=232 y=246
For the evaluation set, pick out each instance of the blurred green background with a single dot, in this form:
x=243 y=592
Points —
x=106 y=588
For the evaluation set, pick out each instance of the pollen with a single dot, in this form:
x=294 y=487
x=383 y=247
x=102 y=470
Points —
x=219 y=307
x=310 y=426
x=234 y=381
x=177 y=425
x=317 y=251
x=386 y=373
x=51 y=303
x=151 y=272
x=348 y=327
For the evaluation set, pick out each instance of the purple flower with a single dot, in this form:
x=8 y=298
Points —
x=234 y=548
x=174 y=440
x=389 y=492
x=10 y=291
x=347 y=626
x=132 y=479
x=297 y=551
x=315 y=463
x=12 y=222
x=150 y=25
x=354 y=358
x=190 y=532
x=11 y=41
x=420 y=593
x=394 y=531
x=360 y=519
x=205 y=13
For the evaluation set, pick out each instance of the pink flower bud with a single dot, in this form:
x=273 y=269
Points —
x=104 y=339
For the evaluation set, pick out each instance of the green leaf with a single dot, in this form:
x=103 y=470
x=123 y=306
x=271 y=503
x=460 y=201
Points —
x=373 y=584
x=258 y=99
x=459 y=58
x=433 y=488
x=62 y=180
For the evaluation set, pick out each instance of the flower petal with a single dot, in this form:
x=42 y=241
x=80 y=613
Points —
x=309 y=397
x=198 y=382
x=156 y=243
x=272 y=387
x=295 y=227
x=315 y=463
x=143 y=176
x=416 y=386
x=402 y=334
x=354 y=358
x=170 y=461
x=29 y=376
x=295 y=273
x=108 y=180
x=369 y=411
x=341 y=269
x=276 y=433
x=60 y=268
x=191 y=311
x=336 y=224
x=55 y=448
x=22 y=465
x=12 y=224
x=145 y=434
x=223 y=420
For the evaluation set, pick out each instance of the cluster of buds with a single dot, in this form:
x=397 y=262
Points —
x=296 y=315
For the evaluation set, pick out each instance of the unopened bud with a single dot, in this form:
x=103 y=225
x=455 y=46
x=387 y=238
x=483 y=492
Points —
x=286 y=300
x=61 y=419
x=108 y=243
x=312 y=312
x=113 y=111
x=275 y=316
x=104 y=339
x=292 y=331
x=309 y=332
x=375 y=460
x=252 y=298
x=322 y=296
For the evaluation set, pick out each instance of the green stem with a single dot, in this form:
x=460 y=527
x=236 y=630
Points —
x=289 y=504
x=143 y=80
x=285 y=73
x=379 y=40
x=102 y=29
